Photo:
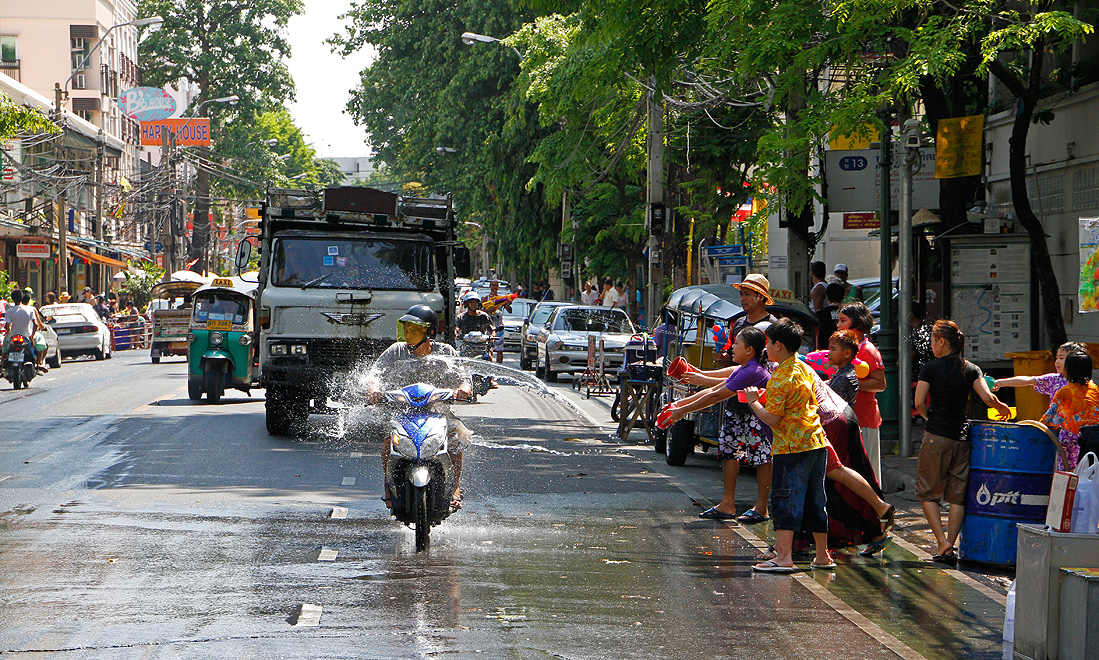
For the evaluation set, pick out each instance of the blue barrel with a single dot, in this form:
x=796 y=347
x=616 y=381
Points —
x=1010 y=472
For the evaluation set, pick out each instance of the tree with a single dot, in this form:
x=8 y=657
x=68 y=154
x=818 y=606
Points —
x=15 y=118
x=225 y=48
x=139 y=282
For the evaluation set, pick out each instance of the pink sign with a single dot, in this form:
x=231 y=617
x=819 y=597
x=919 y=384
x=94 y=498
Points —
x=147 y=103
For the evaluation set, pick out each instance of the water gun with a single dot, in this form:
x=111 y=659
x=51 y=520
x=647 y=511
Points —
x=722 y=341
x=492 y=303
x=818 y=360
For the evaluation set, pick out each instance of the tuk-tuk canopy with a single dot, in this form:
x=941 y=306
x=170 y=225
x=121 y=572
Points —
x=234 y=284
x=716 y=301
x=175 y=289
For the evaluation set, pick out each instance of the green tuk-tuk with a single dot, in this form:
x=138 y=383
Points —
x=221 y=340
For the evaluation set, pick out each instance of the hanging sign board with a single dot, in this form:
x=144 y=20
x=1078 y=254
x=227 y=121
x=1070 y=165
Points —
x=854 y=181
x=991 y=295
x=32 y=251
x=147 y=103
x=194 y=131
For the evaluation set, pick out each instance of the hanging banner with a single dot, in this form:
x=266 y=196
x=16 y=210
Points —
x=959 y=145
x=147 y=103
x=1089 y=266
x=194 y=131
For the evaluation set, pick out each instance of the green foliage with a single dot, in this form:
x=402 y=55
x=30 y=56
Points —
x=15 y=118
x=6 y=286
x=140 y=280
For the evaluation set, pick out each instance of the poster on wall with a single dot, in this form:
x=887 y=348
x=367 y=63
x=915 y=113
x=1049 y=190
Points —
x=1089 y=266
x=990 y=295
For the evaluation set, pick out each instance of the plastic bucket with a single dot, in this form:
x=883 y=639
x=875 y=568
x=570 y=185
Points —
x=1010 y=473
x=1029 y=403
x=677 y=368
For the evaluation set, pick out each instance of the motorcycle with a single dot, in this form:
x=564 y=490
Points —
x=420 y=471
x=19 y=362
x=475 y=345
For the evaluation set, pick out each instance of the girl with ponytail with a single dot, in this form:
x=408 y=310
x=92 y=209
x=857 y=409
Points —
x=943 y=469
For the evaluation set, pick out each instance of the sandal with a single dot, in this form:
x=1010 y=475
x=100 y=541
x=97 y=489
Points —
x=770 y=566
x=750 y=517
x=713 y=514
x=874 y=547
x=768 y=554
x=887 y=519
x=950 y=558
x=826 y=567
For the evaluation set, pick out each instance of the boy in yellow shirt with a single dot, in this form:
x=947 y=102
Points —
x=798 y=450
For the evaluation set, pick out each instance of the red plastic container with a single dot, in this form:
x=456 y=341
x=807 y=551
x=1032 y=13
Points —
x=664 y=419
x=678 y=367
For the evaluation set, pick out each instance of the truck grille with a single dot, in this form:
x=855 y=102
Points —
x=344 y=352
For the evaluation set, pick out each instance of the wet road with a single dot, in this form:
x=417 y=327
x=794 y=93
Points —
x=135 y=524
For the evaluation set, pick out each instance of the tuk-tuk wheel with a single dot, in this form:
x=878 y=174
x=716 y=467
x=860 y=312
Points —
x=681 y=442
x=194 y=389
x=212 y=384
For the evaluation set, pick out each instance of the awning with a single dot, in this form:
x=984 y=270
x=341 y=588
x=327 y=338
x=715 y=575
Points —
x=97 y=258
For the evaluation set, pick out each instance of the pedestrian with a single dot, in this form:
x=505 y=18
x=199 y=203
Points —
x=1073 y=406
x=536 y=292
x=607 y=295
x=755 y=295
x=549 y=292
x=64 y=297
x=1047 y=384
x=798 y=453
x=828 y=316
x=88 y=296
x=817 y=297
x=842 y=348
x=51 y=298
x=855 y=316
x=942 y=399
x=840 y=277
x=621 y=299
x=101 y=308
x=744 y=438
x=589 y=296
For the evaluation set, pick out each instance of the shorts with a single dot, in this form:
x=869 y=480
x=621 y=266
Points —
x=498 y=342
x=744 y=438
x=797 y=491
x=943 y=470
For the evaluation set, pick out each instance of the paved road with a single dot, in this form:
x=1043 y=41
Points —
x=136 y=524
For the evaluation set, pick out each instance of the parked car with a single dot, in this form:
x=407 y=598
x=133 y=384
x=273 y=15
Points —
x=528 y=338
x=563 y=342
x=868 y=290
x=514 y=320
x=80 y=330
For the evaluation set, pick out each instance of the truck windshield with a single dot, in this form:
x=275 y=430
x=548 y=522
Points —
x=349 y=263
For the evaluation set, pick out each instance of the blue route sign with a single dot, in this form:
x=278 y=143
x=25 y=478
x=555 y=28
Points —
x=149 y=247
x=732 y=261
x=724 y=250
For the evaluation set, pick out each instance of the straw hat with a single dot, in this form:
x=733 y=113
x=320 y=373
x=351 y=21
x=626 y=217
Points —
x=759 y=284
x=64 y=297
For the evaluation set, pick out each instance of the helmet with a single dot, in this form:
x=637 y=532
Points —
x=471 y=295
x=420 y=315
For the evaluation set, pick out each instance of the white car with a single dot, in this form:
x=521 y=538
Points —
x=528 y=339
x=80 y=330
x=53 y=350
x=514 y=320
x=563 y=343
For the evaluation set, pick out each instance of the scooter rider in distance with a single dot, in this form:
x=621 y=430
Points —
x=22 y=320
x=474 y=318
x=411 y=359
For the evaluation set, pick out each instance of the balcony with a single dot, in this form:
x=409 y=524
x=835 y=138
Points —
x=10 y=68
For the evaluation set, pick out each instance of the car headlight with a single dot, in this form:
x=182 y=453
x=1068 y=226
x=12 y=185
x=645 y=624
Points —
x=216 y=339
x=245 y=339
x=554 y=345
x=574 y=347
x=191 y=337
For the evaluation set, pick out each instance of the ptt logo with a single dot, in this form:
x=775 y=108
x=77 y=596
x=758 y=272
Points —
x=853 y=163
x=986 y=498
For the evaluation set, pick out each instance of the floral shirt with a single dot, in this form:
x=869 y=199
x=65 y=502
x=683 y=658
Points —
x=1048 y=384
x=1073 y=406
x=791 y=396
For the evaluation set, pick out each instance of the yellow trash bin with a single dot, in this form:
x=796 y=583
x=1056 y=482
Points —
x=1030 y=404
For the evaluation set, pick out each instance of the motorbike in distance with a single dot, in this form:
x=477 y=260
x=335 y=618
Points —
x=420 y=471
x=475 y=345
x=19 y=368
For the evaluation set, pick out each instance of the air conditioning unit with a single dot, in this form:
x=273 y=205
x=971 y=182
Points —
x=80 y=81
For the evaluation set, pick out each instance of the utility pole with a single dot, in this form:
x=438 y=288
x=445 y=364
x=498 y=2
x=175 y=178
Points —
x=912 y=140
x=62 y=243
x=100 y=270
x=656 y=215
x=887 y=336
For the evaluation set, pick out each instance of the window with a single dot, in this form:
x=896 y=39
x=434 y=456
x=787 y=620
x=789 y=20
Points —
x=352 y=263
x=9 y=48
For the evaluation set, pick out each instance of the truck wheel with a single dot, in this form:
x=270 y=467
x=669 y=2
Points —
x=211 y=382
x=681 y=442
x=287 y=412
x=194 y=390
x=156 y=359
x=422 y=519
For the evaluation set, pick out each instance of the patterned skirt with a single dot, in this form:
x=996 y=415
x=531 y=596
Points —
x=744 y=437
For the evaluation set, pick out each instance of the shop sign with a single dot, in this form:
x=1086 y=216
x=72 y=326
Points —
x=860 y=220
x=193 y=131
x=147 y=103
x=32 y=250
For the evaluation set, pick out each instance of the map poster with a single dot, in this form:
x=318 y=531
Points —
x=1089 y=265
x=990 y=295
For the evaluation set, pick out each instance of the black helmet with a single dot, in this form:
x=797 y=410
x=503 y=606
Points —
x=422 y=315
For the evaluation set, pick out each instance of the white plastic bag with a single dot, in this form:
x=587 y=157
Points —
x=1009 y=624
x=1085 y=508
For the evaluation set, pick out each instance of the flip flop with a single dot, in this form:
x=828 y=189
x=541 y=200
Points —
x=770 y=566
x=874 y=547
x=826 y=567
x=456 y=502
x=750 y=517
x=769 y=554
x=713 y=514
x=950 y=558
x=887 y=520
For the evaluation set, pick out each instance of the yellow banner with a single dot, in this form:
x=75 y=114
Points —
x=959 y=147
x=861 y=140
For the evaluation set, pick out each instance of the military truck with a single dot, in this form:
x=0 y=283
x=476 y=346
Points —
x=337 y=268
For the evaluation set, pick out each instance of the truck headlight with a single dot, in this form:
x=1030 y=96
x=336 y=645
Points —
x=277 y=349
x=216 y=339
x=298 y=349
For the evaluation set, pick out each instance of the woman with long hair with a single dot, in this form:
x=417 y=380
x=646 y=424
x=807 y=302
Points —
x=856 y=317
x=943 y=468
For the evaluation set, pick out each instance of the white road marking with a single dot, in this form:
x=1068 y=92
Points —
x=338 y=512
x=349 y=481
x=310 y=615
x=327 y=554
x=356 y=454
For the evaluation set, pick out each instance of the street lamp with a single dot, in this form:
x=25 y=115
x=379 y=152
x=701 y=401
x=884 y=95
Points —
x=63 y=91
x=272 y=142
x=471 y=38
x=445 y=150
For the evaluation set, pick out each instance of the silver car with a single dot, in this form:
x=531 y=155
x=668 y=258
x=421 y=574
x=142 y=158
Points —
x=514 y=320
x=563 y=343
x=47 y=336
x=528 y=339
x=80 y=330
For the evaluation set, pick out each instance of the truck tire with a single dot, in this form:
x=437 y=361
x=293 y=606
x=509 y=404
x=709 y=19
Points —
x=681 y=442
x=287 y=412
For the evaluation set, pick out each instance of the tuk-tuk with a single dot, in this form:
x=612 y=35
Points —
x=169 y=316
x=695 y=310
x=222 y=340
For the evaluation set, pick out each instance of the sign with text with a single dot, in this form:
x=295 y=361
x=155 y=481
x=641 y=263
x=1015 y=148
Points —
x=854 y=181
x=860 y=221
x=194 y=131
x=147 y=103
x=32 y=251
x=959 y=144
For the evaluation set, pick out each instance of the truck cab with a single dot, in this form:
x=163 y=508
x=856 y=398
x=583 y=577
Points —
x=338 y=267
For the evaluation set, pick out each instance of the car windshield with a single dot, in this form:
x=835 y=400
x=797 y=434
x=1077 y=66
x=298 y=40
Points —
x=519 y=310
x=541 y=315
x=594 y=320
x=217 y=306
x=350 y=263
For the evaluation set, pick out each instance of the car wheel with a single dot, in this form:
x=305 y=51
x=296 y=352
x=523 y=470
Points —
x=551 y=375
x=55 y=362
x=539 y=372
x=524 y=361
x=100 y=354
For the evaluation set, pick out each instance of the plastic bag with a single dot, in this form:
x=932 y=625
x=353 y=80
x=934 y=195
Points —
x=1009 y=624
x=1085 y=508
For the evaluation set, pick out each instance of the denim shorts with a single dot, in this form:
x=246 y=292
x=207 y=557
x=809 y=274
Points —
x=797 y=491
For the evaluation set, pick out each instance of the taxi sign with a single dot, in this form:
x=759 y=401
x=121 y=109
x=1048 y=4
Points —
x=222 y=281
x=219 y=325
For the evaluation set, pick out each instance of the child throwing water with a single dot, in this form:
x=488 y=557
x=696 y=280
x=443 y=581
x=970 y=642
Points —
x=1073 y=406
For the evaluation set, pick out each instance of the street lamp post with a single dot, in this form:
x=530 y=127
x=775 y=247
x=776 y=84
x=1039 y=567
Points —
x=62 y=91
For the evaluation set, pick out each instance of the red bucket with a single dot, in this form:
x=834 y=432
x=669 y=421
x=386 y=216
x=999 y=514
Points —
x=678 y=367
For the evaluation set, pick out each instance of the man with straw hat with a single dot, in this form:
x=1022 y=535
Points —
x=755 y=295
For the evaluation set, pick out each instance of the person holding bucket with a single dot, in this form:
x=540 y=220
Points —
x=943 y=468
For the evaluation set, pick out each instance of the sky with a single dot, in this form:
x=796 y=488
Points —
x=323 y=79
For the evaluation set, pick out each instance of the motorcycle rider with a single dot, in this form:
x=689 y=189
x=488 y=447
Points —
x=474 y=318
x=22 y=320
x=415 y=358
